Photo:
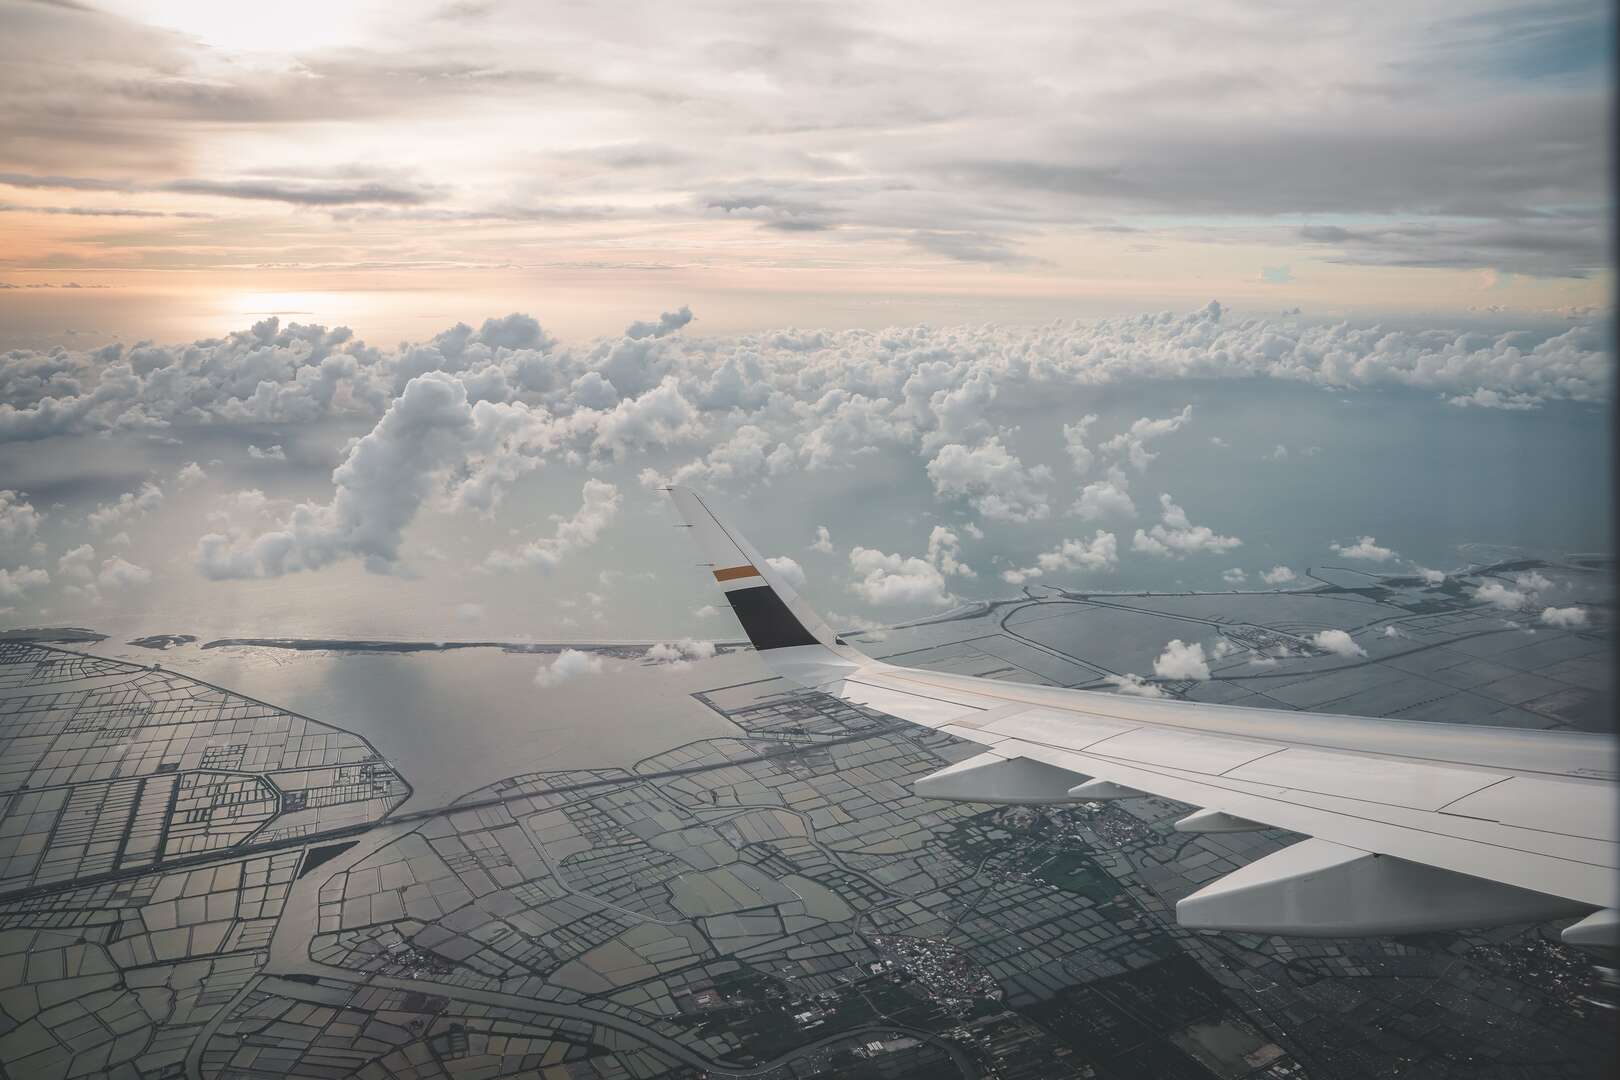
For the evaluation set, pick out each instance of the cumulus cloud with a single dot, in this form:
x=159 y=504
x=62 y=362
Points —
x=272 y=453
x=1131 y=445
x=1176 y=537
x=13 y=583
x=127 y=507
x=1337 y=642
x=1181 y=660
x=1074 y=441
x=886 y=579
x=840 y=391
x=117 y=573
x=1566 y=618
x=190 y=473
x=993 y=479
x=788 y=569
x=1101 y=552
x=387 y=476
x=1499 y=595
x=570 y=664
x=19 y=522
x=1104 y=499
x=1279 y=575
x=77 y=564
x=1134 y=685
x=682 y=652
x=1430 y=577
x=1494 y=399
x=599 y=505
x=1366 y=548
x=823 y=542
x=1234 y=576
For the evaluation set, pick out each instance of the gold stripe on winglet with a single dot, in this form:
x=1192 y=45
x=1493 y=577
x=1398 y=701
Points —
x=732 y=573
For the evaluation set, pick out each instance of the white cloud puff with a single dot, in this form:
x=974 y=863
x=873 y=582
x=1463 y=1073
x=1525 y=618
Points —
x=1279 y=575
x=118 y=573
x=13 y=583
x=1176 y=537
x=1181 y=660
x=273 y=453
x=993 y=479
x=599 y=505
x=1101 y=552
x=898 y=579
x=1337 y=642
x=128 y=506
x=680 y=652
x=1104 y=499
x=1134 y=685
x=1366 y=548
x=19 y=522
x=823 y=542
x=1496 y=594
x=1566 y=618
x=1234 y=576
x=570 y=664
x=189 y=474
x=788 y=569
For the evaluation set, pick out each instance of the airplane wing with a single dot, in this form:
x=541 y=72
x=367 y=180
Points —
x=1409 y=826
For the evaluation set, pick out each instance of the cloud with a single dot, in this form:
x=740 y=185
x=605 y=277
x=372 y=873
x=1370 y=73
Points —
x=304 y=194
x=127 y=507
x=992 y=479
x=680 y=653
x=1338 y=643
x=599 y=505
x=1133 y=685
x=1430 y=577
x=1234 y=576
x=1494 y=399
x=1276 y=275
x=1567 y=618
x=1131 y=445
x=1366 y=548
x=13 y=583
x=898 y=579
x=788 y=570
x=1074 y=441
x=1101 y=552
x=469 y=612
x=815 y=398
x=823 y=542
x=945 y=551
x=1182 y=661
x=570 y=664
x=1104 y=499
x=77 y=564
x=1496 y=594
x=668 y=323
x=385 y=479
x=117 y=573
x=190 y=473
x=1279 y=575
x=19 y=522
x=274 y=453
x=1176 y=537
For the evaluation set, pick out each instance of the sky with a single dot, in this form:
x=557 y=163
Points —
x=397 y=167
x=391 y=320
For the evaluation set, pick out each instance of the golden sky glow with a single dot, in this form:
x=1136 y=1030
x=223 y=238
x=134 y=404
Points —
x=381 y=164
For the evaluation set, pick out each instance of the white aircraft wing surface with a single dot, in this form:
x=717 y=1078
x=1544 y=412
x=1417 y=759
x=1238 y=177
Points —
x=1409 y=826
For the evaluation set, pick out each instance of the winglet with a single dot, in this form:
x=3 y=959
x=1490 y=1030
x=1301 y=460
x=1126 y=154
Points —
x=792 y=638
